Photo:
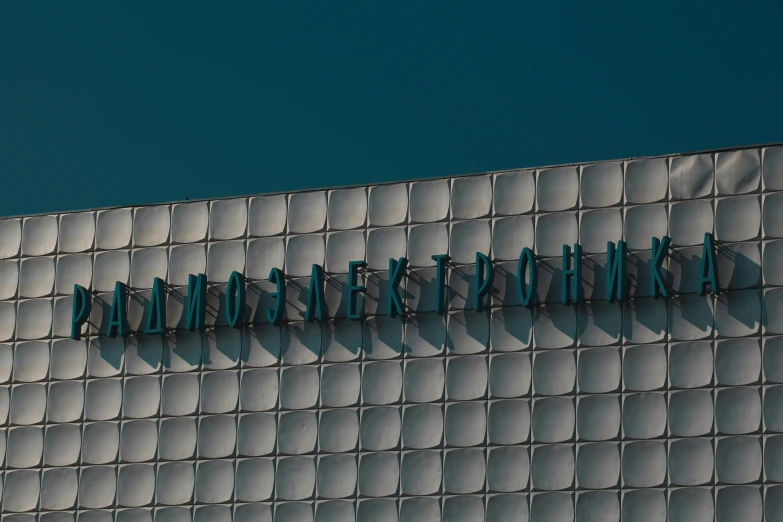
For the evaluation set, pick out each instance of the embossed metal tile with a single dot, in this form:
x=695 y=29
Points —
x=648 y=410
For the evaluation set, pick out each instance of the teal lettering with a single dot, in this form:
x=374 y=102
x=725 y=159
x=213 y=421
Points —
x=354 y=288
x=483 y=281
x=196 y=303
x=156 y=318
x=396 y=271
x=316 y=307
x=573 y=292
x=660 y=249
x=118 y=318
x=235 y=300
x=527 y=291
x=82 y=305
x=709 y=269
x=441 y=260
x=616 y=276
x=275 y=315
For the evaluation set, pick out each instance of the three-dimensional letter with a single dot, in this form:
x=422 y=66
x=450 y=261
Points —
x=709 y=269
x=316 y=303
x=660 y=249
x=573 y=292
x=156 y=319
x=396 y=271
x=440 y=282
x=235 y=300
x=118 y=317
x=483 y=281
x=527 y=291
x=616 y=278
x=196 y=303
x=275 y=315
x=354 y=288
x=82 y=305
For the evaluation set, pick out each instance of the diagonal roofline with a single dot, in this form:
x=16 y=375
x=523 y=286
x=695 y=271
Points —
x=394 y=182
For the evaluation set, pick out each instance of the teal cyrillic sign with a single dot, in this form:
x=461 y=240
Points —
x=195 y=303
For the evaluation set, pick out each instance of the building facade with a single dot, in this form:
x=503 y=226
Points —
x=585 y=342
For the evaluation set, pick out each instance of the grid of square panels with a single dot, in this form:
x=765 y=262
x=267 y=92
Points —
x=633 y=411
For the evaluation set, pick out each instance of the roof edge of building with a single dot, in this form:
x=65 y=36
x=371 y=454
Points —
x=393 y=182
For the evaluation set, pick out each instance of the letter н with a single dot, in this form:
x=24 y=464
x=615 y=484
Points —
x=572 y=292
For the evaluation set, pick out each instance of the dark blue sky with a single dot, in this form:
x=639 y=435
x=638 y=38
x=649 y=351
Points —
x=113 y=103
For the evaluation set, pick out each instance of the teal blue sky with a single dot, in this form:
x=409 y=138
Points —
x=115 y=103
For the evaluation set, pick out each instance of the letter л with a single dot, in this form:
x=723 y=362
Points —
x=315 y=297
